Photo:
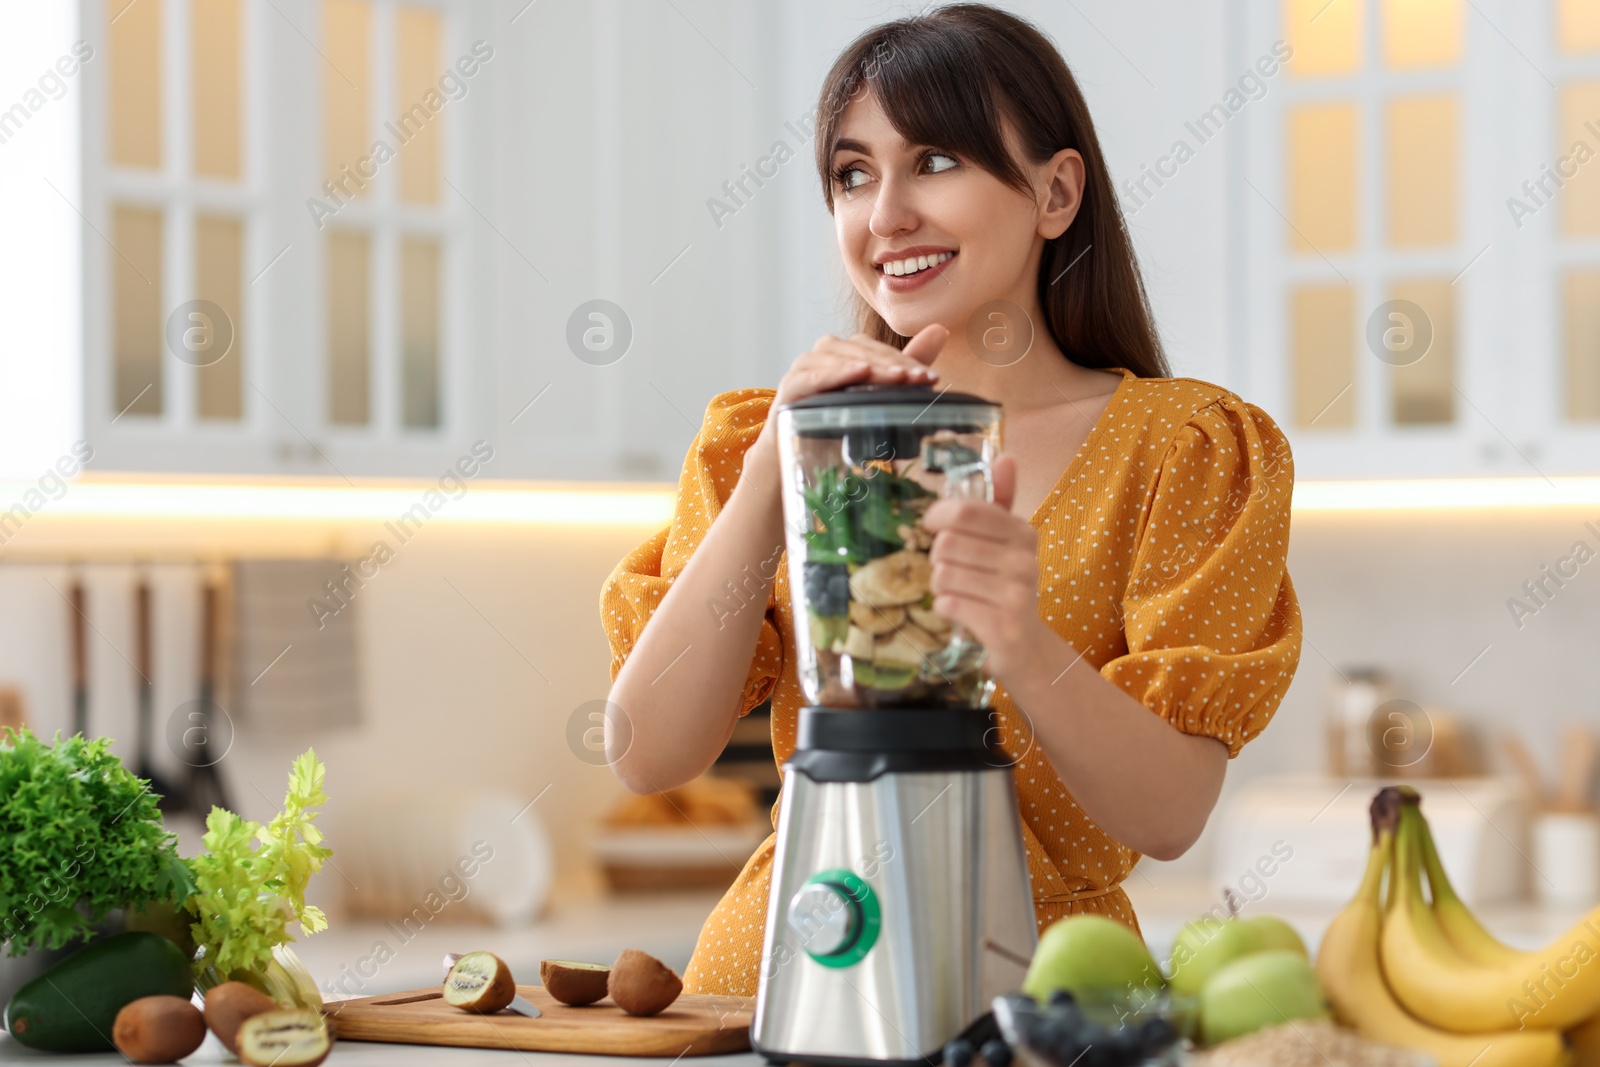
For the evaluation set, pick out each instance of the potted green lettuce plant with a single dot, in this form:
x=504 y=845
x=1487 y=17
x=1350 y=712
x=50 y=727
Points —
x=84 y=843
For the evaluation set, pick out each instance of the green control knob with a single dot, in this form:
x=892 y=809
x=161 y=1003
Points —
x=835 y=916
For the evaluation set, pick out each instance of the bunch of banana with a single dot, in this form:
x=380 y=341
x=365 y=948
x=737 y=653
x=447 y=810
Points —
x=1353 y=979
x=1447 y=970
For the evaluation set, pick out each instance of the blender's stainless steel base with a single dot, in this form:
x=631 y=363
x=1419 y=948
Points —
x=899 y=866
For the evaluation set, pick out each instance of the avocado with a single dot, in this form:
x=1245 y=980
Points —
x=72 y=1006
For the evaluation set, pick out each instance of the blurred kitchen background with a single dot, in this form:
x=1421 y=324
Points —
x=383 y=327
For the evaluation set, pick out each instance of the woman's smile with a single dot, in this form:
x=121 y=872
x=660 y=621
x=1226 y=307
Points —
x=902 y=272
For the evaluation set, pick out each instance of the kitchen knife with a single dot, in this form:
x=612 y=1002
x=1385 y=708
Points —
x=170 y=798
x=80 y=661
x=205 y=788
x=518 y=1004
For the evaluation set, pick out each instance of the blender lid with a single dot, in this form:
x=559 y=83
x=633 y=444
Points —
x=951 y=411
x=872 y=393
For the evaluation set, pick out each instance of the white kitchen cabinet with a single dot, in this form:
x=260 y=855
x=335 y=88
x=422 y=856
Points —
x=1381 y=163
x=1553 y=130
x=572 y=203
x=241 y=315
x=622 y=307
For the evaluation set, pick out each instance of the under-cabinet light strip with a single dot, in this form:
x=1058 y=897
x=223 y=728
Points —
x=1446 y=494
x=477 y=503
x=579 y=505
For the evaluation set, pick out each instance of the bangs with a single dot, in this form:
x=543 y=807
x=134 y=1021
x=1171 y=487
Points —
x=934 y=88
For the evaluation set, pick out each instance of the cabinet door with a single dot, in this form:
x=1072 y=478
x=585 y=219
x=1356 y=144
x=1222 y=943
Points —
x=1550 y=219
x=1379 y=312
x=650 y=272
x=279 y=275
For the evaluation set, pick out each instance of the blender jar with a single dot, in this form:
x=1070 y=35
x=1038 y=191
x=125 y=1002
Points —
x=860 y=467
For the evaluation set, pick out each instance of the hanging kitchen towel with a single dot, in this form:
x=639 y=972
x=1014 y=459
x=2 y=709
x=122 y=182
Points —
x=296 y=667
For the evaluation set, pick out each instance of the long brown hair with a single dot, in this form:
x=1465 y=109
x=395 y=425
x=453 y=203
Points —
x=944 y=78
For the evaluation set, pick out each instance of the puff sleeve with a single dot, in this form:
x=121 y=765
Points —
x=1210 y=616
x=636 y=585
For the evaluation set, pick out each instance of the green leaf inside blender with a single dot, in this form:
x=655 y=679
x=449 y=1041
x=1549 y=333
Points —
x=867 y=593
x=857 y=515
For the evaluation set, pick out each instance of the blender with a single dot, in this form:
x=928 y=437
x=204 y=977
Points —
x=900 y=901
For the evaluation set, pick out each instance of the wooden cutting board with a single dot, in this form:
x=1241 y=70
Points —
x=694 y=1025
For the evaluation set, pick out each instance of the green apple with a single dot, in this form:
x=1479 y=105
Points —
x=1204 y=947
x=1086 y=954
x=1208 y=944
x=1272 y=932
x=1260 y=990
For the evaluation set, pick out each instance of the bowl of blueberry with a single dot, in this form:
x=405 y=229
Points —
x=1139 y=1028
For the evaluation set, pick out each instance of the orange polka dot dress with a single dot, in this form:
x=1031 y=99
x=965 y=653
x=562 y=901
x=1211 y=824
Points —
x=1162 y=556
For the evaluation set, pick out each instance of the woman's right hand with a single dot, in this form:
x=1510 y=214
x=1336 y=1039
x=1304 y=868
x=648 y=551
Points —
x=835 y=362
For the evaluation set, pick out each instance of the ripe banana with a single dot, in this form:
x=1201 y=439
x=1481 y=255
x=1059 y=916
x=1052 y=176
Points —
x=1352 y=979
x=1585 y=1040
x=1553 y=989
x=1478 y=945
x=1460 y=926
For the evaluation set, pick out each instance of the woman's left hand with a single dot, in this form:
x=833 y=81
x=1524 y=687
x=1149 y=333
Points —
x=986 y=572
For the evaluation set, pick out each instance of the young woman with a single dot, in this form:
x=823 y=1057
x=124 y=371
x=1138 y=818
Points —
x=1129 y=579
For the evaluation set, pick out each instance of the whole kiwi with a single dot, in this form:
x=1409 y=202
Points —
x=640 y=984
x=229 y=1005
x=159 y=1029
x=572 y=982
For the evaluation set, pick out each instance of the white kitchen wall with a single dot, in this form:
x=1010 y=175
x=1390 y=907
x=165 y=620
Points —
x=477 y=646
x=1427 y=599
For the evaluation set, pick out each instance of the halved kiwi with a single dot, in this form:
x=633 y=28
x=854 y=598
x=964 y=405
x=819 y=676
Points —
x=574 y=982
x=298 y=1038
x=480 y=982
